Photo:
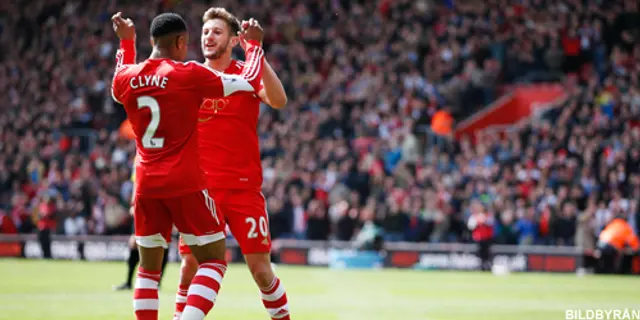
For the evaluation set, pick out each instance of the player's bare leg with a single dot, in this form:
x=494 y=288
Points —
x=274 y=296
x=205 y=285
x=151 y=258
x=188 y=270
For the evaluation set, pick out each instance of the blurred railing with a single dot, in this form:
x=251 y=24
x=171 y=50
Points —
x=446 y=256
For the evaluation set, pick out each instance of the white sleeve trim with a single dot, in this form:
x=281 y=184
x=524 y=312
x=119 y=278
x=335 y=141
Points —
x=230 y=83
x=114 y=96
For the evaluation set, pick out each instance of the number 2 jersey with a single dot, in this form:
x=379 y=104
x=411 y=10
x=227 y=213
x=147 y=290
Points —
x=162 y=98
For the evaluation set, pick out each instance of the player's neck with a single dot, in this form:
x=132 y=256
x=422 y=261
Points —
x=159 y=53
x=221 y=64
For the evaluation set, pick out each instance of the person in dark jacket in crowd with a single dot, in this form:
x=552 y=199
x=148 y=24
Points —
x=318 y=226
x=47 y=223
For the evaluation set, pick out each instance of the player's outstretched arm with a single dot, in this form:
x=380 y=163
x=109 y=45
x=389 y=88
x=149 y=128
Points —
x=126 y=54
x=272 y=92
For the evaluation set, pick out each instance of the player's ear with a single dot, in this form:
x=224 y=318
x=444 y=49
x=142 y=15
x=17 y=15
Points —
x=234 y=41
x=181 y=41
x=152 y=42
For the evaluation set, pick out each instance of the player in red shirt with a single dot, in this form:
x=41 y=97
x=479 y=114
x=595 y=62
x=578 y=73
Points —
x=161 y=97
x=232 y=162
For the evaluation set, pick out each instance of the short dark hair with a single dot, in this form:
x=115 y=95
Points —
x=167 y=23
x=224 y=15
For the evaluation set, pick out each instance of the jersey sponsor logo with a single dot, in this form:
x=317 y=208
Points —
x=211 y=104
x=214 y=104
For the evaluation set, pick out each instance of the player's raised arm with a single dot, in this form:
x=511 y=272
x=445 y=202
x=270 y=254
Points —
x=126 y=54
x=254 y=64
x=126 y=32
x=272 y=92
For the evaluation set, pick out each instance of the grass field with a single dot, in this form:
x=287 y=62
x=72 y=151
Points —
x=56 y=290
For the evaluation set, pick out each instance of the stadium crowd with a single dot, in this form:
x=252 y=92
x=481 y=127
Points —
x=353 y=145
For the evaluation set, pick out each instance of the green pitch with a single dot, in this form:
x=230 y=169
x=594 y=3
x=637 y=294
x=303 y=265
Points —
x=67 y=290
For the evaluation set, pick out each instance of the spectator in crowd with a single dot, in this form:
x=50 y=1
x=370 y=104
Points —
x=526 y=227
x=47 y=211
x=366 y=79
x=370 y=236
x=318 y=225
x=6 y=224
x=615 y=242
x=584 y=237
x=481 y=226
x=75 y=224
x=395 y=221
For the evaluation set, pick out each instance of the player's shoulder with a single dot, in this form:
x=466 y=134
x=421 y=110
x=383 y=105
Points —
x=129 y=69
x=120 y=83
x=196 y=66
x=235 y=67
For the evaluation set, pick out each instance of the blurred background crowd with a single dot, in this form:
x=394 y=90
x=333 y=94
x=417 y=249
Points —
x=354 y=149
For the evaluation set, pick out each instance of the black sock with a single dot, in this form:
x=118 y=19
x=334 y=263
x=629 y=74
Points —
x=164 y=262
x=132 y=262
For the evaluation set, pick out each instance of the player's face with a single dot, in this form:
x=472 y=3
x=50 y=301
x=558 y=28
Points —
x=215 y=39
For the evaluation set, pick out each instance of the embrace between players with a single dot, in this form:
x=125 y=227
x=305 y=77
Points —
x=198 y=161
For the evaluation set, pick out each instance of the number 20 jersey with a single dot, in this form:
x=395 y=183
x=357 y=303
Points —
x=162 y=98
x=229 y=146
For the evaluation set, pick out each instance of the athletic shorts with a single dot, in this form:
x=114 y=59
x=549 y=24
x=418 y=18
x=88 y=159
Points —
x=245 y=213
x=195 y=215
